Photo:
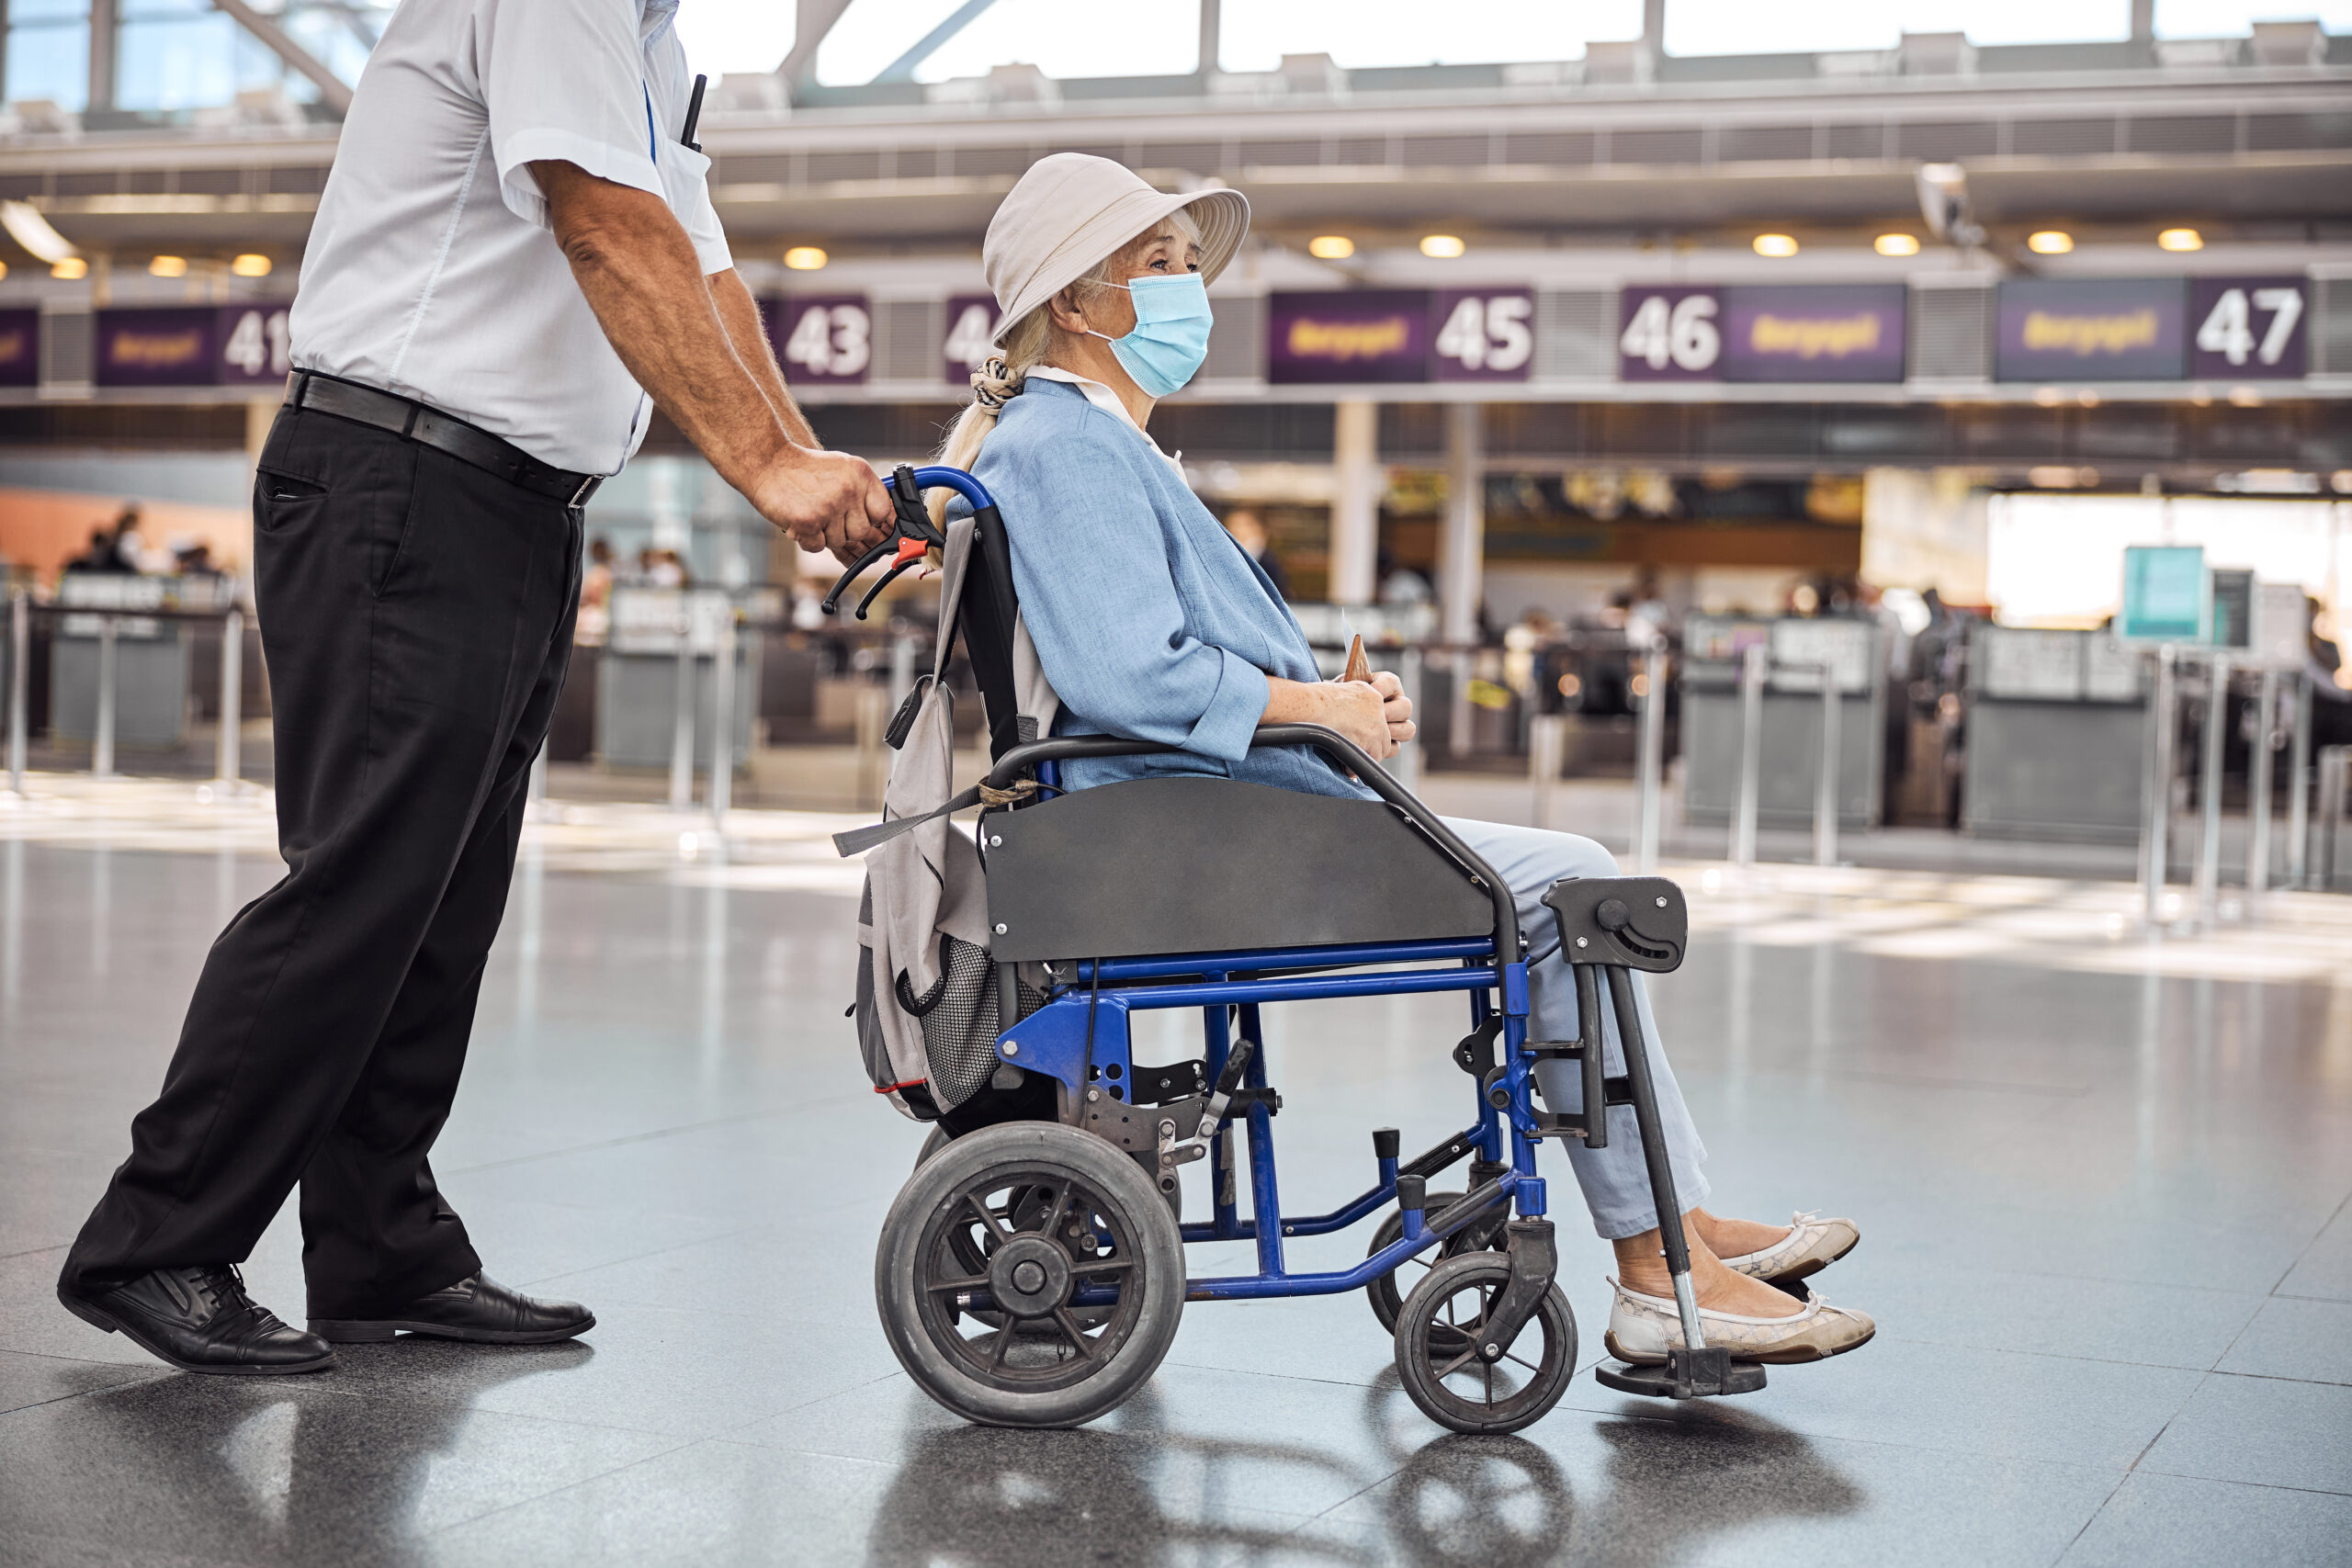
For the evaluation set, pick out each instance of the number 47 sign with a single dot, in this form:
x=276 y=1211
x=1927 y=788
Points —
x=2247 y=328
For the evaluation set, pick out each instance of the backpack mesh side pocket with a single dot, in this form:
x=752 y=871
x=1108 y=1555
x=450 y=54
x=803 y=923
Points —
x=960 y=1020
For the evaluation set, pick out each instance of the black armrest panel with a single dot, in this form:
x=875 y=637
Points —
x=1191 y=864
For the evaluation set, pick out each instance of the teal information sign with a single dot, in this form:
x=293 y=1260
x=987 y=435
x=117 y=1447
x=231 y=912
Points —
x=2165 y=595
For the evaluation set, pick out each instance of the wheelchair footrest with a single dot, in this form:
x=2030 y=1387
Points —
x=1687 y=1374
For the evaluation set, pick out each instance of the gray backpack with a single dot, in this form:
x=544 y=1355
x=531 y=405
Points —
x=927 y=1009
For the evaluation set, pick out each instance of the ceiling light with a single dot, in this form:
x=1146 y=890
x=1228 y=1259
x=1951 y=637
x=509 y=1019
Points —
x=1776 y=246
x=2047 y=397
x=1331 y=247
x=1896 y=244
x=31 y=230
x=1444 y=247
x=2050 y=242
x=804 y=258
x=2050 y=477
x=72 y=269
x=167 y=266
x=2180 y=239
x=2245 y=398
x=250 y=265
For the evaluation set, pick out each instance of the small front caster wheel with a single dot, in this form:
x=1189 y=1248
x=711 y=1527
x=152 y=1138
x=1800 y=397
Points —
x=1459 y=1377
x=1052 y=1228
x=1387 y=1292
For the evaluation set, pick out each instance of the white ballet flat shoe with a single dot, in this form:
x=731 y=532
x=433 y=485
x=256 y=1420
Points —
x=1642 y=1328
x=1812 y=1245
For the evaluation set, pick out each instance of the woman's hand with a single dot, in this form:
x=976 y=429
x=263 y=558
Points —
x=1356 y=710
x=1398 y=709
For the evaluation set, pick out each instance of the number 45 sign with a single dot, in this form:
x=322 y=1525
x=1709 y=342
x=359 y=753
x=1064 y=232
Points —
x=2247 y=328
x=1482 y=336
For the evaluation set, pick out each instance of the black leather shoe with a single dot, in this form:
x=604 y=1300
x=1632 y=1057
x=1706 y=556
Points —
x=478 y=1310
x=200 y=1320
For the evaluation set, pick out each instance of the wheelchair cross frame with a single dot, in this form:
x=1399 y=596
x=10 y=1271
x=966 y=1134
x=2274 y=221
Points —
x=1080 y=1038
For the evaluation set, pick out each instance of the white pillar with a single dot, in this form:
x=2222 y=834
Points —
x=1355 y=503
x=1462 y=546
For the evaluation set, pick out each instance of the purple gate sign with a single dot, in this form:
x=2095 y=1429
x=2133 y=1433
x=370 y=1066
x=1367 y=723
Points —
x=1813 y=332
x=1348 y=338
x=2091 y=329
x=20 y=348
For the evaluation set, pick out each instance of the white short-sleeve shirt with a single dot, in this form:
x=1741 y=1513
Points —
x=430 y=270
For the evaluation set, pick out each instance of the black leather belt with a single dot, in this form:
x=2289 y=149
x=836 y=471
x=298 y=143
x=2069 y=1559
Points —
x=430 y=427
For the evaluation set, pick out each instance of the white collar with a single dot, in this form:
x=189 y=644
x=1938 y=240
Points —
x=1102 y=397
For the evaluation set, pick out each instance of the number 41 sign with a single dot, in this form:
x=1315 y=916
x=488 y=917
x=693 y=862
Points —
x=2247 y=328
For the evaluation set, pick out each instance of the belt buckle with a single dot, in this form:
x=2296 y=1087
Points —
x=587 y=488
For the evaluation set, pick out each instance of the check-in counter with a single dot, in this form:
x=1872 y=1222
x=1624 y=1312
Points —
x=2057 y=731
x=151 y=654
x=1790 y=754
x=637 y=682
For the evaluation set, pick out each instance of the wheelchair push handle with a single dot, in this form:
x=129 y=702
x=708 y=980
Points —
x=912 y=534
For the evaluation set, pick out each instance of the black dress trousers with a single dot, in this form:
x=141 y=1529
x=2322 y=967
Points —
x=416 y=612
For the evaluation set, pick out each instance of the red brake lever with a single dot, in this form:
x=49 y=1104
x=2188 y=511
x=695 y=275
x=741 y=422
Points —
x=910 y=549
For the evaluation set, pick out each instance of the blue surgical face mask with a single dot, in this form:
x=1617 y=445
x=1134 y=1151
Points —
x=1171 y=335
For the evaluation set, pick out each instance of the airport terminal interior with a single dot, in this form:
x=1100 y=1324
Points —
x=1886 y=473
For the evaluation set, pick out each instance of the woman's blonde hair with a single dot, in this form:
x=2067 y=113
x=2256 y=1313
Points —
x=1001 y=378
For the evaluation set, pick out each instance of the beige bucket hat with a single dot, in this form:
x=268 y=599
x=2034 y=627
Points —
x=1072 y=209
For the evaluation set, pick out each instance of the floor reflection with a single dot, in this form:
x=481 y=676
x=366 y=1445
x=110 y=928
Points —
x=1141 y=1493
x=259 y=1471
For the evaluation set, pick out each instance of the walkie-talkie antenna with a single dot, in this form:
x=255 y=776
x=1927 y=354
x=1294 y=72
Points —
x=694 y=116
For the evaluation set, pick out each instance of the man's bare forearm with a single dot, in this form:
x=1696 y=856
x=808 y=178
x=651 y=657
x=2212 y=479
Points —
x=640 y=275
x=739 y=314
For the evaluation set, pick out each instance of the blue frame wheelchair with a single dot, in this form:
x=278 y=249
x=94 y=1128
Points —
x=1031 y=1271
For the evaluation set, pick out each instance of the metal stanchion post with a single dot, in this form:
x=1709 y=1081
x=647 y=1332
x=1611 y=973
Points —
x=722 y=722
x=2334 y=764
x=2299 y=784
x=20 y=646
x=2209 y=788
x=229 y=756
x=1751 y=754
x=1650 y=775
x=903 y=667
x=2157 y=864
x=681 y=728
x=1547 y=742
x=1825 y=792
x=872 y=720
x=2258 y=852
x=102 y=746
x=1458 y=713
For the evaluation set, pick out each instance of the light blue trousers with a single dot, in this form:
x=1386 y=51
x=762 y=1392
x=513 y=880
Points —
x=1615 y=1180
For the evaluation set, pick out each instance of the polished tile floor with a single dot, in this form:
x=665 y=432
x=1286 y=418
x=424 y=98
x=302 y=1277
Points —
x=2102 y=1183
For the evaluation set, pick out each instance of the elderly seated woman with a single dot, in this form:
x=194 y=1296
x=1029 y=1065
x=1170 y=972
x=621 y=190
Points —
x=1151 y=623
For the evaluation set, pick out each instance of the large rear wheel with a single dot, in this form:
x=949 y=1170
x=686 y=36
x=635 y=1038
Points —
x=1029 y=1275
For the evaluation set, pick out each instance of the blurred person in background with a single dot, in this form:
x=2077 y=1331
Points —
x=1249 y=531
x=1150 y=622
x=514 y=261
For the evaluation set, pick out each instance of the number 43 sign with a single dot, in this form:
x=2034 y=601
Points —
x=2247 y=328
x=827 y=339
